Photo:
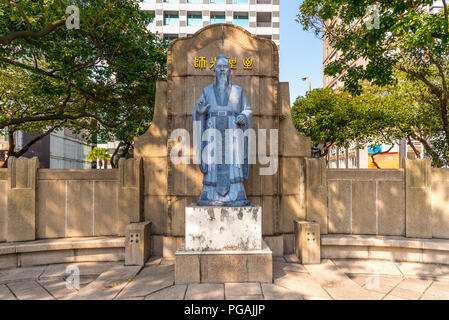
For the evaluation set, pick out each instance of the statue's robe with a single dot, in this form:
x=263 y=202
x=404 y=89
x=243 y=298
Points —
x=223 y=182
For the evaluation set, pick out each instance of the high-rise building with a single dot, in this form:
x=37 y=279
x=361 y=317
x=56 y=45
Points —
x=180 y=18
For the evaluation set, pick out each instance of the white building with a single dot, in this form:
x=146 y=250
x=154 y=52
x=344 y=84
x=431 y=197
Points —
x=180 y=18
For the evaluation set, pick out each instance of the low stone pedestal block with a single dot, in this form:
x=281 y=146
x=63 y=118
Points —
x=224 y=266
x=223 y=228
x=308 y=242
x=137 y=244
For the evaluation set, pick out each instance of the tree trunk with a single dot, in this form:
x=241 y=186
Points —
x=112 y=161
x=11 y=147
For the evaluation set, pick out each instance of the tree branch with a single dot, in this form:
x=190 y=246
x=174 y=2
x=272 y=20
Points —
x=375 y=154
x=26 y=147
x=6 y=40
x=410 y=143
x=24 y=17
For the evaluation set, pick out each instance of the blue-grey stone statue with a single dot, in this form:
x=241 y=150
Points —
x=223 y=107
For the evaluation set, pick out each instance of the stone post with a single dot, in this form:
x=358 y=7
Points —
x=131 y=192
x=418 y=209
x=316 y=192
x=308 y=242
x=21 y=199
x=137 y=244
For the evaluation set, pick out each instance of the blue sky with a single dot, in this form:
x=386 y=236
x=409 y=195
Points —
x=301 y=52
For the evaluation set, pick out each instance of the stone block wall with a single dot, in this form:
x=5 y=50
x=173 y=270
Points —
x=412 y=202
x=364 y=201
x=3 y=202
x=440 y=203
x=45 y=204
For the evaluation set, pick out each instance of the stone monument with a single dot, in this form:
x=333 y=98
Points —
x=224 y=226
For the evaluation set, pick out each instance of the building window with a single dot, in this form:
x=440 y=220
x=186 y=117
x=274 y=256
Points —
x=217 y=18
x=264 y=19
x=171 y=19
x=217 y=1
x=194 y=19
x=241 y=19
x=170 y=37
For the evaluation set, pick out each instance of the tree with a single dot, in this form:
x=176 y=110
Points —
x=98 y=80
x=379 y=115
x=407 y=38
x=332 y=119
x=100 y=154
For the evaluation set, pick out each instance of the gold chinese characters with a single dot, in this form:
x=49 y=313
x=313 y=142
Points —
x=201 y=63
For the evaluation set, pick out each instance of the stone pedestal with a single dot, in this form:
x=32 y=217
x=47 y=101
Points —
x=137 y=244
x=223 y=228
x=308 y=242
x=223 y=245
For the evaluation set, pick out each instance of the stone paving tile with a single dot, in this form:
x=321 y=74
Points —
x=411 y=289
x=245 y=298
x=337 y=284
x=242 y=289
x=168 y=261
x=291 y=258
x=354 y=266
x=130 y=298
x=392 y=297
x=176 y=292
x=281 y=269
x=85 y=268
x=153 y=261
x=439 y=290
x=303 y=284
x=376 y=282
x=29 y=290
x=5 y=293
x=205 y=291
x=21 y=273
x=424 y=270
x=275 y=292
x=317 y=298
x=58 y=288
x=149 y=280
x=108 y=284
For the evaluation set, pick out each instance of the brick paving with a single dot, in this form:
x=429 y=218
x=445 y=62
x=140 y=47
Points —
x=331 y=280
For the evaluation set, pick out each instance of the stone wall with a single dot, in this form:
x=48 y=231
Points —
x=440 y=203
x=45 y=204
x=3 y=199
x=412 y=202
x=365 y=201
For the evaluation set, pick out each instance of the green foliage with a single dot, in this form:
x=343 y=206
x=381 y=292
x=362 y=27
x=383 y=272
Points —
x=380 y=115
x=331 y=119
x=99 y=154
x=408 y=39
x=98 y=80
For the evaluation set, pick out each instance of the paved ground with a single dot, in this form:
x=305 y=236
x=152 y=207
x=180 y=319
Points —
x=333 y=279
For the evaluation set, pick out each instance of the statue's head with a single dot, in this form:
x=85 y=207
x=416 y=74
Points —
x=222 y=69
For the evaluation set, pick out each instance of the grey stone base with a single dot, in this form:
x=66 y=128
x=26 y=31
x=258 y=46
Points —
x=224 y=266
